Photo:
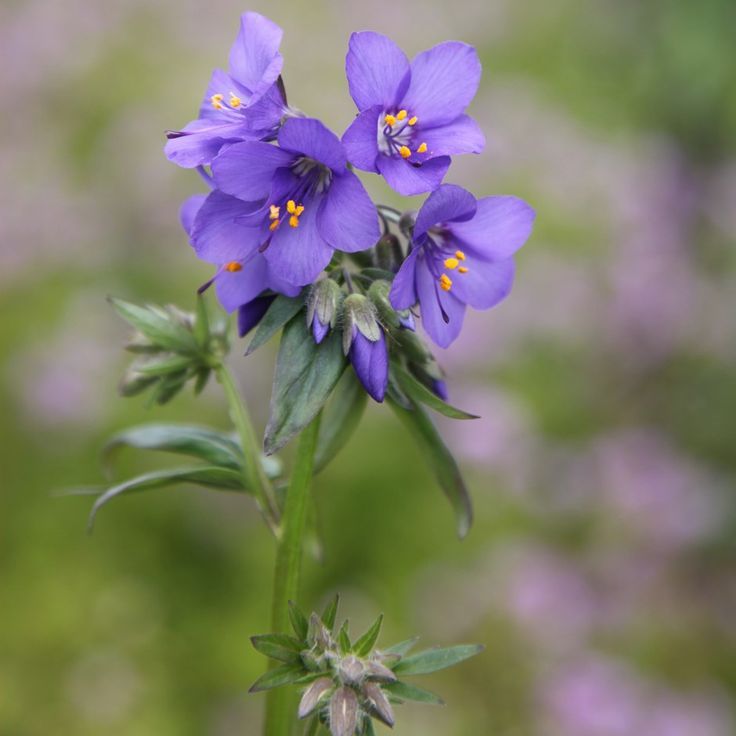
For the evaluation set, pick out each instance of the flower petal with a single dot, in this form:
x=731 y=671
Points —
x=251 y=313
x=348 y=219
x=446 y=204
x=462 y=135
x=312 y=138
x=444 y=80
x=485 y=283
x=403 y=294
x=500 y=227
x=377 y=70
x=361 y=139
x=235 y=288
x=188 y=211
x=298 y=254
x=255 y=60
x=201 y=140
x=408 y=179
x=370 y=362
x=224 y=229
x=246 y=170
x=436 y=305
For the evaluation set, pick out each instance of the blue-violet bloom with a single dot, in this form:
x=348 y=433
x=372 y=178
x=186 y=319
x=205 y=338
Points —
x=411 y=116
x=241 y=277
x=245 y=103
x=298 y=203
x=365 y=345
x=461 y=254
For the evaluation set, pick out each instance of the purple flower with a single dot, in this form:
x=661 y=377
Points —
x=241 y=276
x=411 y=115
x=461 y=255
x=242 y=104
x=296 y=203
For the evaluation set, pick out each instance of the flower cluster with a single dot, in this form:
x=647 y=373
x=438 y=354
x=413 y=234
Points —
x=348 y=683
x=286 y=214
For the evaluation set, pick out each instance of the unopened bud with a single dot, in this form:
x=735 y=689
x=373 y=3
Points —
x=360 y=314
x=378 y=703
x=323 y=302
x=351 y=670
x=388 y=253
x=343 y=712
x=313 y=694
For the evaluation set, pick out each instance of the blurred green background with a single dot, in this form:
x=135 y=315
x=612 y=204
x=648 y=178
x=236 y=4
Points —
x=601 y=570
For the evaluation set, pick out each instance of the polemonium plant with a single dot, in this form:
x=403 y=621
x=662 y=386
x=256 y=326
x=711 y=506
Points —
x=299 y=248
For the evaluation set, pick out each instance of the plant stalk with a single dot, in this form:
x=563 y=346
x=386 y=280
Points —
x=280 y=710
x=254 y=475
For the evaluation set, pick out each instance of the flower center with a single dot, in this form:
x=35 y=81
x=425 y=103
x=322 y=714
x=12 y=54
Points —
x=233 y=103
x=293 y=210
x=452 y=263
x=396 y=134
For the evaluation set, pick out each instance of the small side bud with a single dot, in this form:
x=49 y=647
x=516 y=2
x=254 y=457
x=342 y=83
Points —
x=378 y=703
x=360 y=314
x=318 y=633
x=313 y=694
x=351 y=670
x=323 y=306
x=379 y=671
x=407 y=220
x=388 y=253
x=343 y=712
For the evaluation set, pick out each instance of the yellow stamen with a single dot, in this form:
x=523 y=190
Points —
x=274 y=212
x=291 y=207
x=390 y=120
x=451 y=263
x=216 y=101
x=235 y=101
x=422 y=148
x=445 y=282
x=294 y=221
x=405 y=152
x=459 y=255
x=233 y=267
x=273 y=225
x=462 y=269
x=413 y=120
x=401 y=114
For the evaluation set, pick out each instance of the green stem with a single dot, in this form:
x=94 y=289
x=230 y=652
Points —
x=280 y=710
x=254 y=476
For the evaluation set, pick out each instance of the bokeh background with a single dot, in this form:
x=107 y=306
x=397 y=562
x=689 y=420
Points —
x=601 y=572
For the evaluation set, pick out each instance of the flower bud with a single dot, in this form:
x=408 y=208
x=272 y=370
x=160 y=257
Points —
x=378 y=703
x=360 y=315
x=351 y=670
x=388 y=253
x=406 y=223
x=313 y=694
x=343 y=712
x=322 y=307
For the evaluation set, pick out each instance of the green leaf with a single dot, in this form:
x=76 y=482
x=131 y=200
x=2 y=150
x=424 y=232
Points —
x=203 y=475
x=368 y=729
x=216 y=448
x=285 y=674
x=278 y=646
x=330 y=613
x=202 y=322
x=419 y=392
x=432 y=660
x=298 y=621
x=442 y=463
x=281 y=311
x=365 y=643
x=162 y=365
x=406 y=691
x=343 y=638
x=402 y=647
x=155 y=325
x=305 y=375
x=168 y=387
x=340 y=418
